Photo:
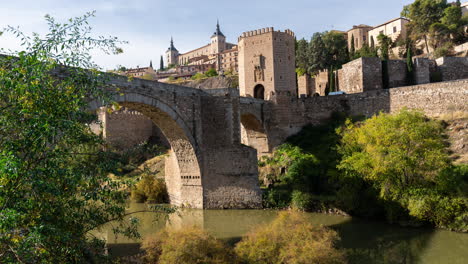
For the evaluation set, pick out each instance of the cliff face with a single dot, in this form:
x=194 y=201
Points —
x=213 y=82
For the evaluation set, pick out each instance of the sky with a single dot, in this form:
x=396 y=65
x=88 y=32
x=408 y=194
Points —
x=149 y=24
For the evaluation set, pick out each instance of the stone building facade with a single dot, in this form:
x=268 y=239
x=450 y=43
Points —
x=143 y=72
x=358 y=34
x=210 y=54
x=267 y=64
x=394 y=29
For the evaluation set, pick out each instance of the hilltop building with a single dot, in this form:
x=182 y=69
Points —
x=367 y=35
x=394 y=29
x=144 y=72
x=358 y=34
x=218 y=52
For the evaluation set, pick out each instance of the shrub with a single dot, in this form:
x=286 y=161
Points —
x=198 y=76
x=211 y=73
x=189 y=245
x=150 y=189
x=301 y=200
x=290 y=238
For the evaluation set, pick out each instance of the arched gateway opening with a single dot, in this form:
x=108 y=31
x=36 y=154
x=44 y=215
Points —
x=182 y=167
x=259 y=92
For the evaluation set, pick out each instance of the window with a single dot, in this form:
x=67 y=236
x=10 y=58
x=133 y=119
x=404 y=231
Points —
x=364 y=38
x=394 y=30
x=381 y=32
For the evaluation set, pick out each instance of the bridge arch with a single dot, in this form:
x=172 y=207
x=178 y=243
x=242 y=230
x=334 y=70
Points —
x=253 y=134
x=183 y=166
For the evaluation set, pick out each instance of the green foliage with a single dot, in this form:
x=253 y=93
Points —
x=186 y=246
x=353 y=46
x=161 y=64
x=385 y=44
x=409 y=64
x=150 y=189
x=445 y=50
x=395 y=151
x=302 y=60
x=317 y=54
x=301 y=71
x=365 y=52
x=198 y=76
x=290 y=238
x=211 y=73
x=337 y=49
x=53 y=170
x=404 y=157
x=441 y=22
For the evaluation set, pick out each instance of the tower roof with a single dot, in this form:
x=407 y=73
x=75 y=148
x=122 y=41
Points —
x=171 y=47
x=218 y=31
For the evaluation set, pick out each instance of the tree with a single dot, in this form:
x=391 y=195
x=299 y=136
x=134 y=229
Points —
x=302 y=60
x=423 y=14
x=317 y=54
x=353 y=47
x=384 y=45
x=409 y=63
x=53 y=170
x=161 y=64
x=337 y=49
x=394 y=151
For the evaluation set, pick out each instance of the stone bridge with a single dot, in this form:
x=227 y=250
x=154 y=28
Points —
x=208 y=166
x=216 y=135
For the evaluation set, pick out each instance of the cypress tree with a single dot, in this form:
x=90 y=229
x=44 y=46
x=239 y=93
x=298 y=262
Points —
x=353 y=48
x=161 y=64
x=409 y=64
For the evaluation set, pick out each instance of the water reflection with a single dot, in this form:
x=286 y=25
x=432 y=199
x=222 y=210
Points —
x=364 y=241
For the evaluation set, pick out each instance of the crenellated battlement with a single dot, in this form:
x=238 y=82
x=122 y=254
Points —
x=264 y=31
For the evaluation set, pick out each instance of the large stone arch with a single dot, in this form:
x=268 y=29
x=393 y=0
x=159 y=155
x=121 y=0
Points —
x=253 y=134
x=183 y=166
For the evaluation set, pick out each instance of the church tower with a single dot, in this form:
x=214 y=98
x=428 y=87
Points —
x=218 y=41
x=171 y=54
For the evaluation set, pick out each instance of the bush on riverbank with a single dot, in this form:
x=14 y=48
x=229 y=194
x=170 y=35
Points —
x=150 y=189
x=290 y=238
x=186 y=246
x=394 y=167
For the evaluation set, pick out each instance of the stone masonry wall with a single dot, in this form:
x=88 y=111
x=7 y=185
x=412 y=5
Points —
x=453 y=68
x=434 y=99
x=305 y=85
x=397 y=70
x=125 y=128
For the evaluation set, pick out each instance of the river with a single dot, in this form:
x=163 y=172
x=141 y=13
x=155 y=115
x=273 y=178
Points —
x=365 y=241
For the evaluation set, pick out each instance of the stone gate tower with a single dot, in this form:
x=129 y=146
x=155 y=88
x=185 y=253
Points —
x=267 y=64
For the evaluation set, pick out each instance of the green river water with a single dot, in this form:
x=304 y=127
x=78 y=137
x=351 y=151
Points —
x=365 y=241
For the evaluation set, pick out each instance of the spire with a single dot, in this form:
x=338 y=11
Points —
x=218 y=30
x=151 y=64
x=171 y=47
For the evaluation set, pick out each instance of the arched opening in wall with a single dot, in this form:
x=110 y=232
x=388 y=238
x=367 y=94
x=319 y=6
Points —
x=254 y=135
x=182 y=170
x=259 y=92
